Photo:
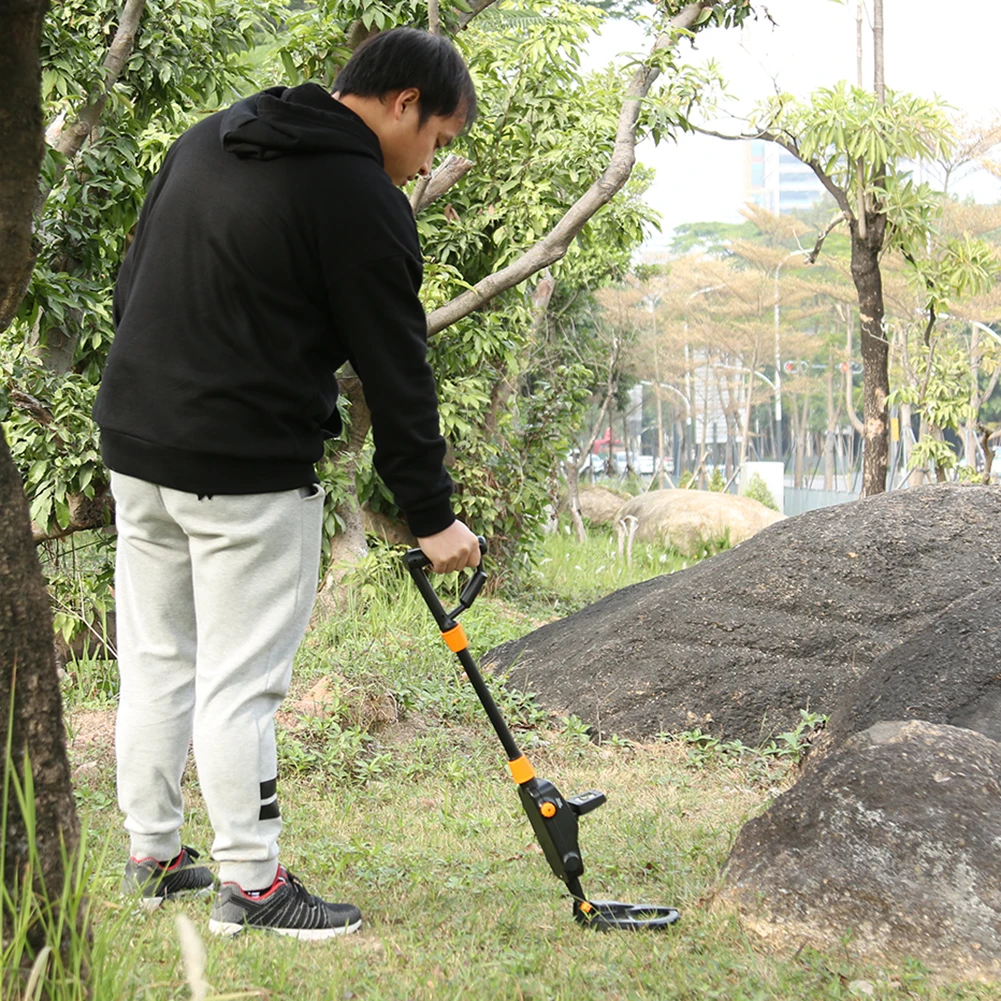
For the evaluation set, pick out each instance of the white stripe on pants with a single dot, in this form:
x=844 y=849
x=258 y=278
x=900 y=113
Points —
x=213 y=597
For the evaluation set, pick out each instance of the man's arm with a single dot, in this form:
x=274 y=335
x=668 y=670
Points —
x=382 y=325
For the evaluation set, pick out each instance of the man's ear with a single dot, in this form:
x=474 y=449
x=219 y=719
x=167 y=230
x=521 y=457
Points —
x=405 y=99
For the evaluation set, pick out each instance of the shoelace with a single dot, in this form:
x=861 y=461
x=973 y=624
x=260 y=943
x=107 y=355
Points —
x=298 y=889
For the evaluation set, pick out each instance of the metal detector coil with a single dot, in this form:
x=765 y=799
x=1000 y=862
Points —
x=553 y=816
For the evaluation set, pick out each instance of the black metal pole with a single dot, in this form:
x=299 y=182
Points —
x=487 y=700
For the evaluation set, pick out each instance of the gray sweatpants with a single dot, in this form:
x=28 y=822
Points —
x=213 y=597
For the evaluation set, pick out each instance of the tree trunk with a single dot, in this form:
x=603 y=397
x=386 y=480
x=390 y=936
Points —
x=30 y=705
x=730 y=423
x=985 y=441
x=920 y=475
x=22 y=131
x=30 y=722
x=625 y=441
x=349 y=545
x=905 y=442
x=799 y=440
x=660 y=415
x=878 y=84
x=832 y=428
x=573 y=500
x=875 y=355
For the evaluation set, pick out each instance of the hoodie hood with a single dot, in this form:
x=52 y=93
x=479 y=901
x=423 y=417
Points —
x=284 y=121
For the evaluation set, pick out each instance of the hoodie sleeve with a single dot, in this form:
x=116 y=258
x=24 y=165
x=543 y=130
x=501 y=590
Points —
x=384 y=330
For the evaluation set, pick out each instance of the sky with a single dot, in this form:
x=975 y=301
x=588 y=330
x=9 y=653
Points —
x=931 y=49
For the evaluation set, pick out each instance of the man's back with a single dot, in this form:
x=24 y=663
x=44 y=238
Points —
x=227 y=335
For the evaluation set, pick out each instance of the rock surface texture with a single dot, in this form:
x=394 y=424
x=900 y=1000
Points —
x=599 y=504
x=948 y=672
x=689 y=519
x=791 y=619
x=896 y=836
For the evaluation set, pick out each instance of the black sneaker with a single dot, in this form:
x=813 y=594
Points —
x=154 y=881
x=285 y=907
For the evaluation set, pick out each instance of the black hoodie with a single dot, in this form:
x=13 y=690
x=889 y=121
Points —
x=272 y=247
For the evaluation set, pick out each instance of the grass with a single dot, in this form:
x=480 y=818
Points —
x=396 y=797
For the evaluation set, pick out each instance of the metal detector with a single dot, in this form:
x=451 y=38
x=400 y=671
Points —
x=553 y=816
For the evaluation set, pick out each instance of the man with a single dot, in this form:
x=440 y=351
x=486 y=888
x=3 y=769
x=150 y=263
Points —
x=273 y=246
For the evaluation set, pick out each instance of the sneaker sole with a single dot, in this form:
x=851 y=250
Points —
x=150 y=904
x=231 y=928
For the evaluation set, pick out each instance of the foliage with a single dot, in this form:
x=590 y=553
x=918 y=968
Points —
x=79 y=571
x=790 y=746
x=954 y=270
x=862 y=145
x=53 y=440
x=711 y=545
x=758 y=490
x=942 y=390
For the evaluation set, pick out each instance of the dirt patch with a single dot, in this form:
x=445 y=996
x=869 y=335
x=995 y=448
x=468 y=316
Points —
x=788 y=620
x=90 y=740
x=90 y=729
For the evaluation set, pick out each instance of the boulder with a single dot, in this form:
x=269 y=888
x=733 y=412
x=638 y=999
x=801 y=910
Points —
x=599 y=504
x=893 y=838
x=739 y=643
x=948 y=672
x=691 y=519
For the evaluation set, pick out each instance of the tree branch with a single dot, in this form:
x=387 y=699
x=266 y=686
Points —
x=25 y=401
x=73 y=136
x=811 y=258
x=554 y=245
x=477 y=8
x=431 y=188
x=790 y=147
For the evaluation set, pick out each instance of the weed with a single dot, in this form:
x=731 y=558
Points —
x=89 y=965
x=788 y=747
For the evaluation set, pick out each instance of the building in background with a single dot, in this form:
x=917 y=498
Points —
x=775 y=180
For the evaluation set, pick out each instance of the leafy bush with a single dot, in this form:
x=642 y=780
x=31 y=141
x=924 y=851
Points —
x=758 y=490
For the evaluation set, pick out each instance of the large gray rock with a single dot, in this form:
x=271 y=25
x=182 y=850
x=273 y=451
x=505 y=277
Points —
x=691 y=519
x=739 y=643
x=895 y=837
x=948 y=672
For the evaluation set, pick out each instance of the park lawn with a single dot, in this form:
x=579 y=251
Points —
x=415 y=819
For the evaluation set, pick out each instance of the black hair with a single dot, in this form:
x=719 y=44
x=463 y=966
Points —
x=406 y=57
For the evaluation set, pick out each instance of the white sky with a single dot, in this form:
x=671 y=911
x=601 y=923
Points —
x=929 y=51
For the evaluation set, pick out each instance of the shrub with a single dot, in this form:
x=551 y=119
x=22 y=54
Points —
x=758 y=490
